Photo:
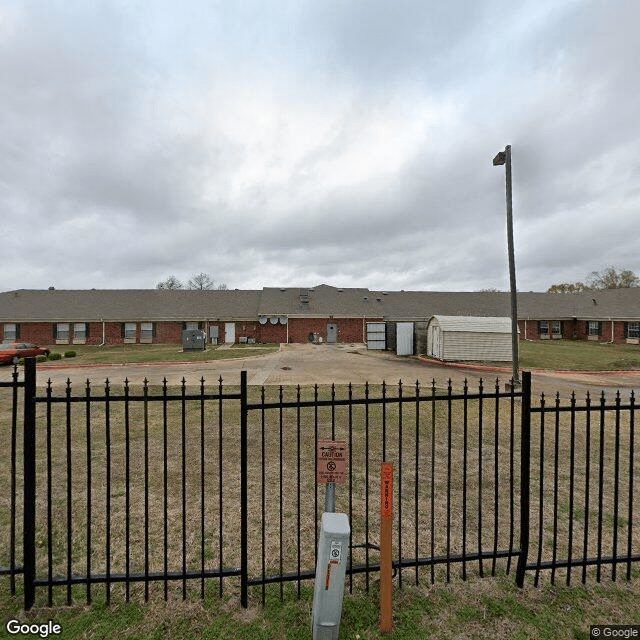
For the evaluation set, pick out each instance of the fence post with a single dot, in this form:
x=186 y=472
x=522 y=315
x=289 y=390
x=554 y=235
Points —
x=29 y=488
x=525 y=473
x=244 y=486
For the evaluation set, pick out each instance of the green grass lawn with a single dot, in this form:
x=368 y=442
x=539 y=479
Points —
x=579 y=355
x=128 y=353
x=478 y=608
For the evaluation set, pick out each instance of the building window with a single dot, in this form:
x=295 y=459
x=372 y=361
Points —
x=549 y=329
x=147 y=331
x=189 y=326
x=80 y=332
x=633 y=329
x=129 y=331
x=62 y=332
x=594 y=328
x=11 y=332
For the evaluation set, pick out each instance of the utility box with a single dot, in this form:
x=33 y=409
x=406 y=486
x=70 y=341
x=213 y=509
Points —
x=193 y=340
x=333 y=554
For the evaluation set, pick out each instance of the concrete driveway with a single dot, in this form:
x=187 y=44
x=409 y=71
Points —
x=308 y=364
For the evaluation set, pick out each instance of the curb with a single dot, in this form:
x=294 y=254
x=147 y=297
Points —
x=48 y=366
x=481 y=367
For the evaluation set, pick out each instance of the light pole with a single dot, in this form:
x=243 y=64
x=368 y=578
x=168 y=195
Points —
x=504 y=158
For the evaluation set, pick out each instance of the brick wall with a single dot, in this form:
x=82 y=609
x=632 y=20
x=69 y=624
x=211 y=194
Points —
x=298 y=330
x=268 y=332
x=112 y=333
x=349 y=329
x=41 y=333
x=576 y=330
x=170 y=332
x=569 y=329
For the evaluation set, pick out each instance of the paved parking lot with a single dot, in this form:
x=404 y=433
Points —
x=308 y=364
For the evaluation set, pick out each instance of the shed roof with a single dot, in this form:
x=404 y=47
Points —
x=474 y=323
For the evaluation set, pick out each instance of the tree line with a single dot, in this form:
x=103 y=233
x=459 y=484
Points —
x=198 y=281
x=609 y=278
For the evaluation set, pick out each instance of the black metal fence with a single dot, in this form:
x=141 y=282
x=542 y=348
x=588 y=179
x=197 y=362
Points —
x=139 y=491
x=584 y=487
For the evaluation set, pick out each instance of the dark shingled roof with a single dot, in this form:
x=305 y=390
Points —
x=128 y=304
x=321 y=301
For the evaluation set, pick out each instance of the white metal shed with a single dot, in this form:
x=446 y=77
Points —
x=469 y=338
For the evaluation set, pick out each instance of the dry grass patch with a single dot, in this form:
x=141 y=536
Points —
x=456 y=487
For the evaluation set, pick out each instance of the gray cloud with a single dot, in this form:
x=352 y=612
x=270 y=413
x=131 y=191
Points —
x=288 y=144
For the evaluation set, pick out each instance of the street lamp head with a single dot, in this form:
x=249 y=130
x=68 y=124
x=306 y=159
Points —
x=500 y=159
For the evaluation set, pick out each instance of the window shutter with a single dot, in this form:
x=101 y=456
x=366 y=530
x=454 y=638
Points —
x=122 y=330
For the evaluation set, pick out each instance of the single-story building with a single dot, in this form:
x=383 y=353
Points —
x=612 y=315
x=291 y=314
x=159 y=316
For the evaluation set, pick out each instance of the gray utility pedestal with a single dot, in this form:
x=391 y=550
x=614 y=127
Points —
x=333 y=554
x=193 y=340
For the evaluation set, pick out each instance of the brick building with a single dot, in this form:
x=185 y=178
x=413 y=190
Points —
x=291 y=314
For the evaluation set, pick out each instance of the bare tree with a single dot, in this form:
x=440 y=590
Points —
x=611 y=278
x=205 y=281
x=170 y=283
x=201 y=281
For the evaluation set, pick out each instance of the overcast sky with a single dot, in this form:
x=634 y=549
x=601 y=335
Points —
x=327 y=141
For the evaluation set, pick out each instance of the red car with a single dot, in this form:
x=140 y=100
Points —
x=12 y=352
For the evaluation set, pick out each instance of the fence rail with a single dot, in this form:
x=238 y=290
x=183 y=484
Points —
x=139 y=491
x=593 y=464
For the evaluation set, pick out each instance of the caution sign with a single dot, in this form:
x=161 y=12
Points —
x=332 y=461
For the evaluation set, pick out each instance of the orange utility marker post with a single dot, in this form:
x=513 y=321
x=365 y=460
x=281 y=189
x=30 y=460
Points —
x=386 y=525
